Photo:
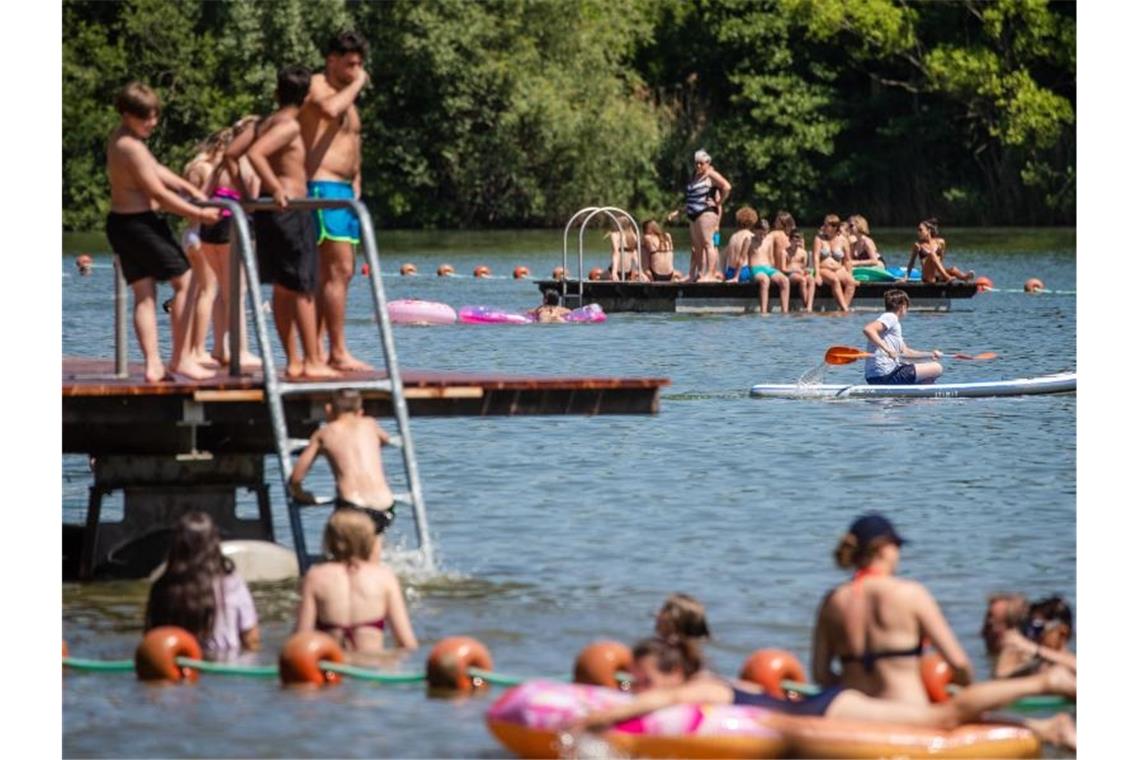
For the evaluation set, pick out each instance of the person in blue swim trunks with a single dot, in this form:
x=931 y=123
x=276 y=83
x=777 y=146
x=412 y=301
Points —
x=735 y=253
x=762 y=256
x=672 y=671
x=330 y=129
x=885 y=343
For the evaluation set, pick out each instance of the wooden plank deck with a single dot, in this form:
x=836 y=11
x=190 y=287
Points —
x=103 y=414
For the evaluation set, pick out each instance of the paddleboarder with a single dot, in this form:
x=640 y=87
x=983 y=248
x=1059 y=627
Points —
x=887 y=348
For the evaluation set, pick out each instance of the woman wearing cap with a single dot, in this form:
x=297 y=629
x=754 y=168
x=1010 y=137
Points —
x=705 y=196
x=876 y=624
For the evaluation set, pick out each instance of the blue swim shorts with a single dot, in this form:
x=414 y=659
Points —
x=339 y=224
x=904 y=374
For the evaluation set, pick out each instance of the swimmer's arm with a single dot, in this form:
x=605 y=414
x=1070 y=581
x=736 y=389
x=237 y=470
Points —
x=272 y=140
x=307 y=608
x=398 y=618
x=144 y=169
x=933 y=625
x=301 y=469
x=643 y=703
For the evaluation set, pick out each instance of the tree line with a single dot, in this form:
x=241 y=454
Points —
x=516 y=113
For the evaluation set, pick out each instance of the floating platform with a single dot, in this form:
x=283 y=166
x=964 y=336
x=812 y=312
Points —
x=739 y=298
x=1064 y=382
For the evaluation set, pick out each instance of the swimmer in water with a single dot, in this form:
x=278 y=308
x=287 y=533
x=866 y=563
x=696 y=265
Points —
x=83 y=264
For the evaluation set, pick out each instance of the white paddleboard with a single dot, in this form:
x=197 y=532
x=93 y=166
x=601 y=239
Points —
x=1064 y=382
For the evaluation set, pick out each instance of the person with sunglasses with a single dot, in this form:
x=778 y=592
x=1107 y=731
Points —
x=705 y=198
x=1041 y=642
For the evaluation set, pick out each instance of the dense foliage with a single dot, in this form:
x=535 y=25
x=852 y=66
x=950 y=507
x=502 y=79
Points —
x=519 y=112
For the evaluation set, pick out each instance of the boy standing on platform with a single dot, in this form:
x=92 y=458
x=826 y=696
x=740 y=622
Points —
x=330 y=128
x=286 y=240
x=146 y=248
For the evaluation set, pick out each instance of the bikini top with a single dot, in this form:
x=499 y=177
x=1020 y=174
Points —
x=348 y=631
x=870 y=657
x=826 y=252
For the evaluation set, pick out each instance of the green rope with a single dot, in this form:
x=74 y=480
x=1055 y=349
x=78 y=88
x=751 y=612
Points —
x=370 y=675
x=807 y=689
x=495 y=679
x=221 y=668
x=99 y=666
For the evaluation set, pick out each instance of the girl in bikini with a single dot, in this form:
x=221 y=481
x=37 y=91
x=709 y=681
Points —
x=657 y=253
x=831 y=255
x=864 y=252
x=705 y=197
x=351 y=597
x=930 y=250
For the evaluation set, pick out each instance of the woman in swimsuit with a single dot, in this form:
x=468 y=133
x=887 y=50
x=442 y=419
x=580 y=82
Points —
x=864 y=252
x=705 y=197
x=671 y=672
x=624 y=260
x=657 y=252
x=351 y=597
x=930 y=250
x=830 y=256
x=876 y=624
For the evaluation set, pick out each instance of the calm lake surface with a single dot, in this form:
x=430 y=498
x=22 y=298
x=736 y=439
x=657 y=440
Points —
x=555 y=531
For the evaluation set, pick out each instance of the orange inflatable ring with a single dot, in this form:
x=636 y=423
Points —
x=482 y=271
x=521 y=272
x=984 y=284
x=599 y=663
x=407 y=268
x=595 y=273
x=768 y=667
x=1034 y=285
x=558 y=274
x=936 y=677
x=154 y=659
x=299 y=662
x=449 y=660
x=445 y=270
x=833 y=738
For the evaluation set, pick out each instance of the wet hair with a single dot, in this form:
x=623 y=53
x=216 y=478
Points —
x=347 y=41
x=930 y=224
x=859 y=224
x=671 y=654
x=184 y=594
x=1053 y=608
x=347 y=400
x=747 y=217
x=293 y=85
x=682 y=615
x=894 y=298
x=138 y=100
x=784 y=222
x=349 y=535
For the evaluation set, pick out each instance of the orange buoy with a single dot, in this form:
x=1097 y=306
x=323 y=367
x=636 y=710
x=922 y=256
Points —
x=984 y=283
x=936 y=676
x=558 y=274
x=445 y=270
x=521 y=272
x=599 y=663
x=154 y=659
x=301 y=655
x=595 y=273
x=769 y=667
x=407 y=268
x=449 y=660
x=365 y=269
x=482 y=271
x=1034 y=285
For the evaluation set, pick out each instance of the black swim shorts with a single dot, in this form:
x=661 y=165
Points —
x=904 y=374
x=381 y=518
x=216 y=234
x=145 y=246
x=287 y=249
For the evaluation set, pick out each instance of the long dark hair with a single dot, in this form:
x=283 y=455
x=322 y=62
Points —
x=184 y=594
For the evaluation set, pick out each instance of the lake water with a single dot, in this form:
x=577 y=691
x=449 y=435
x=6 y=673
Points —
x=555 y=531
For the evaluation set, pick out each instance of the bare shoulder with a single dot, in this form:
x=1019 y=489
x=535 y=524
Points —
x=911 y=590
x=319 y=87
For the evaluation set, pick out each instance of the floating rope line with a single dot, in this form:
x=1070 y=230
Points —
x=365 y=674
x=227 y=669
x=99 y=666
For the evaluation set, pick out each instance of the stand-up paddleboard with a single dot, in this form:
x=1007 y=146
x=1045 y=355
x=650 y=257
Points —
x=1064 y=382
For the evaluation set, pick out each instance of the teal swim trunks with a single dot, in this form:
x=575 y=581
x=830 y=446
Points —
x=748 y=274
x=339 y=224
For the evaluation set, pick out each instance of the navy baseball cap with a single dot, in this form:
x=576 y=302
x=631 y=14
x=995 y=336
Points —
x=871 y=526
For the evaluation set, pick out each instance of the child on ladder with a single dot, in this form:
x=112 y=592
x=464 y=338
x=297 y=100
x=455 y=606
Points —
x=351 y=442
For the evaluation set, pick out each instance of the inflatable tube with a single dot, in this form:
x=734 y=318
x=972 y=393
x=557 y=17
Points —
x=899 y=272
x=598 y=664
x=488 y=315
x=529 y=718
x=591 y=312
x=873 y=274
x=449 y=662
x=411 y=311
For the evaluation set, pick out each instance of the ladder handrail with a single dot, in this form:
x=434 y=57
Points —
x=591 y=212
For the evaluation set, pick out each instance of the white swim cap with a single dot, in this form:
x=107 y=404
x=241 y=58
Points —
x=702 y=156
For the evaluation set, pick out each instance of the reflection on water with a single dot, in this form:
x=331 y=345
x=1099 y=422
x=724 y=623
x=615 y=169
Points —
x=554 y=531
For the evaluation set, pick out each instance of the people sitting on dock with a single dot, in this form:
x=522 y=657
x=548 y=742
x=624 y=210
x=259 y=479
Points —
x=761 y=256
x=705 y=198
x=831 y=256
x=200 y=591
x=794 y=264
x=147 y=250
x=353 y=596
x=1040 y=642
x=286 y=238
x=1004 y=612
x=351 y=442
x=657 y=253
x=885 y=343
x=930 y=250
x=736 y=252
x=624 y=261
x=864 y=252
x=672 y=671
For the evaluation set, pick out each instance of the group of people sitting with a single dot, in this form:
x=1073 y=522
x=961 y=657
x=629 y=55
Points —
x=766 y=253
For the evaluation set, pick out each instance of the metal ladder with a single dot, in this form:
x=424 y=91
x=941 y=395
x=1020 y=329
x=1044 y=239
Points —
x=277 y=388
x=590 y=212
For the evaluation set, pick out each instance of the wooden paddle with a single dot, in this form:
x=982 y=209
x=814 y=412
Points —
x=848 y=354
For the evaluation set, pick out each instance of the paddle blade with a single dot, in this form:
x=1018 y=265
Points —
x=844 y=355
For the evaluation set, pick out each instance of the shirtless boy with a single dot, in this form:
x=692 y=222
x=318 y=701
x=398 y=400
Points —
x=330 y=129
x=146 y=248
x=286 y=240
x=734 y=252
x=351 y=442
x=793 y=263
x=763 y=255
